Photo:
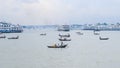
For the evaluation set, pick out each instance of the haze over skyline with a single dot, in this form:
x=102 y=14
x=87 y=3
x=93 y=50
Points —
x=59 y=11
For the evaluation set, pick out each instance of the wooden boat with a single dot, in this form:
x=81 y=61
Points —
x=3 y=36
x=43 y=34
x=14 y=37
x=103 y=38
x=68 y=35
x=58 y=46
x=64 y=39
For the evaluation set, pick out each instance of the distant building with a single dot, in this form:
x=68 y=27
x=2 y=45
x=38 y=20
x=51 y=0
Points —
x=102 y=27
x=64 y=28
x=10 y=28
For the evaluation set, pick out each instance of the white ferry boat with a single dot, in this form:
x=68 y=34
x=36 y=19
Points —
x=10 y=28
x=64 y=28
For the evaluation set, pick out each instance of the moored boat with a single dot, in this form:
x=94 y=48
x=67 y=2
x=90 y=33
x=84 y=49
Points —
x=64 y=28
x=10 y=28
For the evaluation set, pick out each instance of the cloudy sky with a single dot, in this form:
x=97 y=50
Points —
x=59 y=11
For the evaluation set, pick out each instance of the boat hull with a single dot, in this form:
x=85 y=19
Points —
x=14 y=37
x=11 y=31
x=103 y=38
x=57 y=46
x=2 y=36
x=64 y=35
x=65 y=39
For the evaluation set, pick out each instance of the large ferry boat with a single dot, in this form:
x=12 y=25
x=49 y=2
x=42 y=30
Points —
x=10 y=28
x=64 y=28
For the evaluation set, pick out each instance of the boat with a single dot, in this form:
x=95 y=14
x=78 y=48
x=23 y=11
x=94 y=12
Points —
x=43 y=34
x=17 y=37
x=105 y=38
x=64 y=39
x=68 y=35
x=79 y=33
x=1 y=33
x=3 y=36
x=96 y=33
x=64 y=28
x=58 y=46
x=10 y=28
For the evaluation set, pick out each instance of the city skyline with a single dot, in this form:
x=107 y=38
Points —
x=30 y=12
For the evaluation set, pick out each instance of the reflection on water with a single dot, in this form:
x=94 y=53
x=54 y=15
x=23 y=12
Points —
x=83 y=51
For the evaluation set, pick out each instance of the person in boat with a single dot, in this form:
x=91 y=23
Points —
x=54 y=44
x=61 y=43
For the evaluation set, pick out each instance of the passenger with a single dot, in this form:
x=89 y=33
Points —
x=55 y=45
x=61 y=43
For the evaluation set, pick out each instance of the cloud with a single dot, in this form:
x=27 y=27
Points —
x=59 y=11
x=28 y=1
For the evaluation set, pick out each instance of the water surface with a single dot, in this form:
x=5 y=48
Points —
x=83 y=51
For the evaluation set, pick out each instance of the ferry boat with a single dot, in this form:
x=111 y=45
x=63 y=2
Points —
x=10 y=28
x=64 y=28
